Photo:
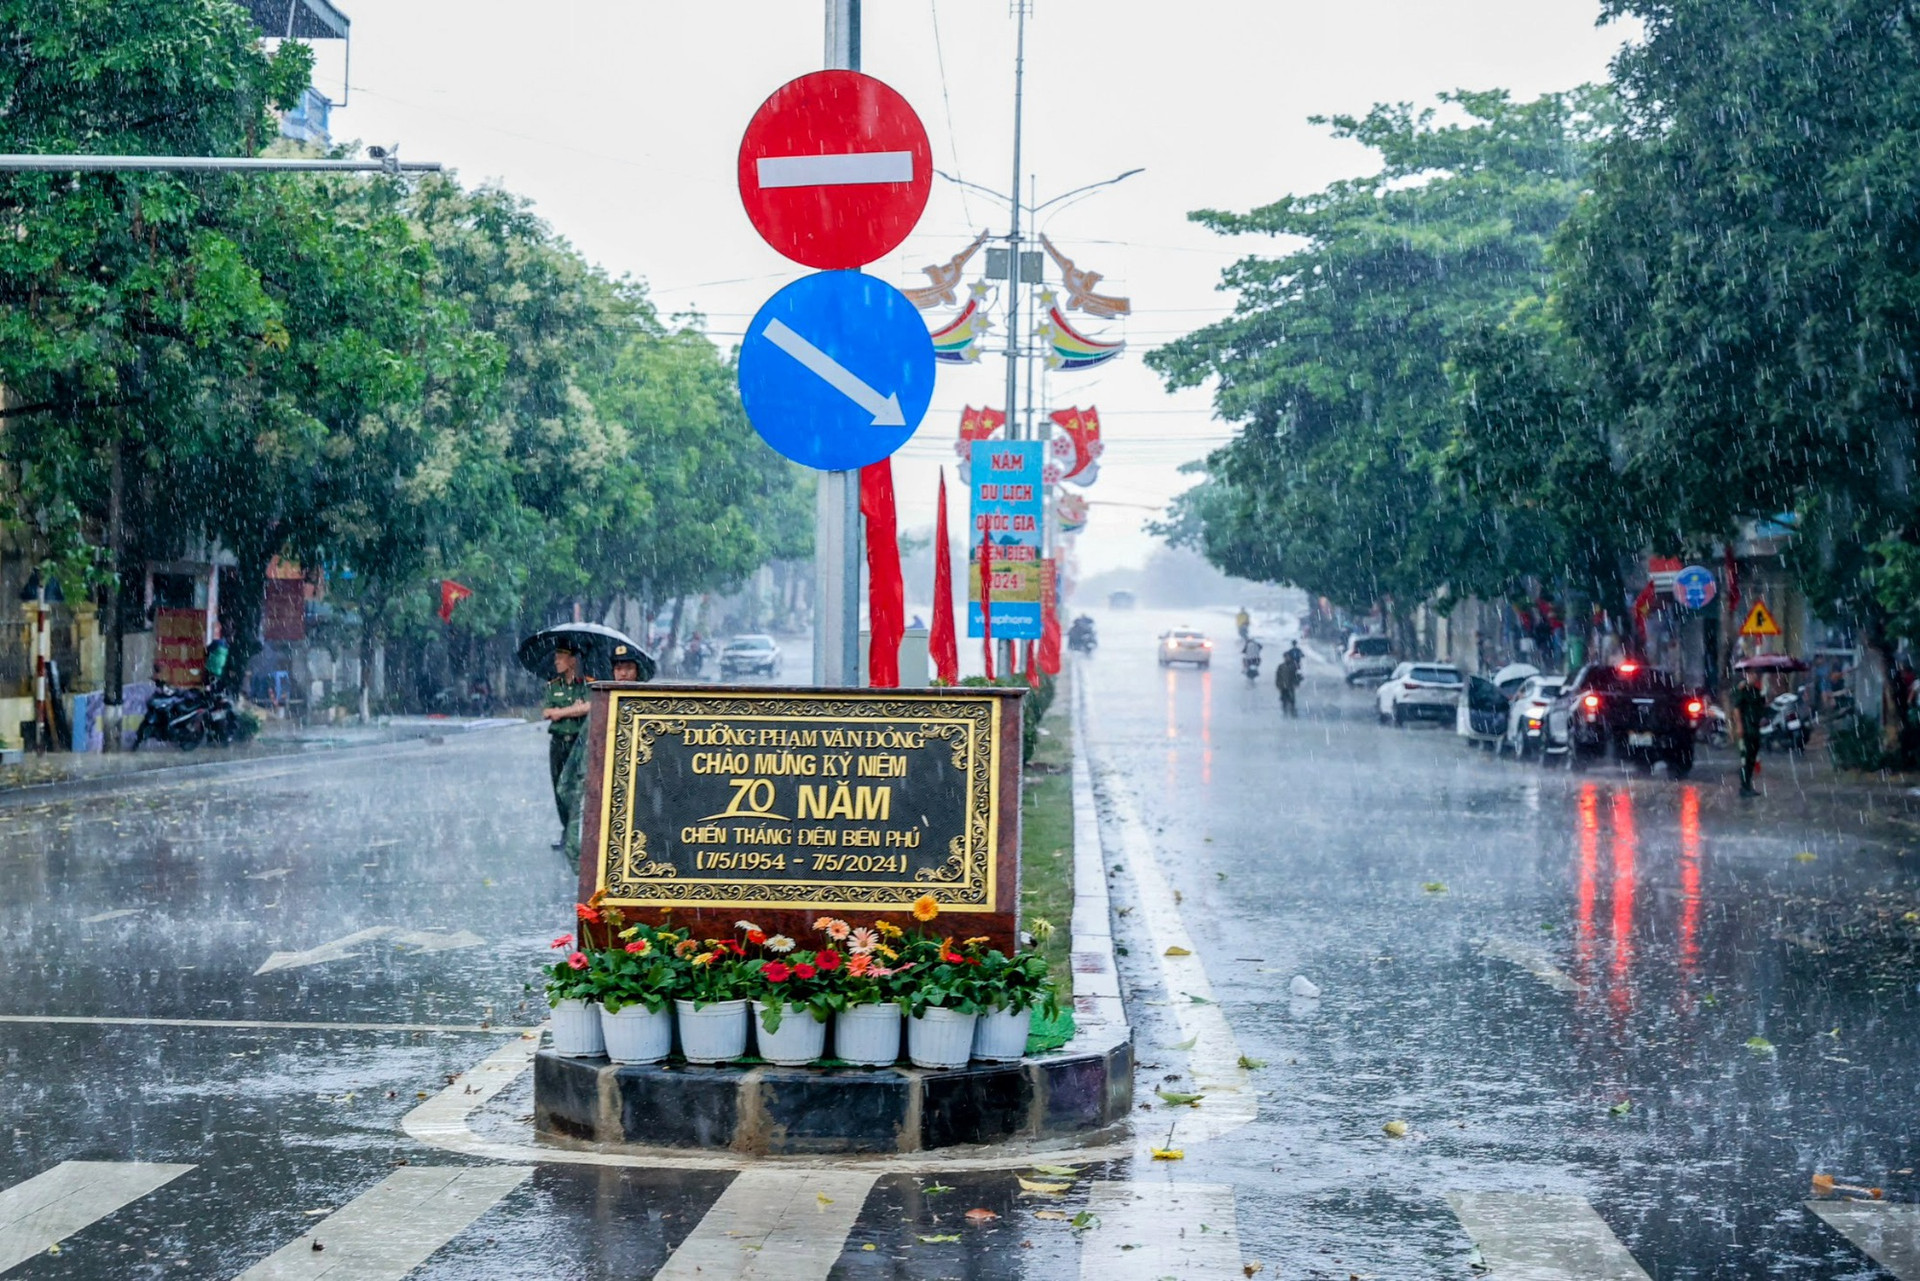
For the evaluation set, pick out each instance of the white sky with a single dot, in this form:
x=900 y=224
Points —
x=621 y=120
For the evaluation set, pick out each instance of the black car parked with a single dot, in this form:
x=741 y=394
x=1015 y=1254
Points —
x=1628 y=710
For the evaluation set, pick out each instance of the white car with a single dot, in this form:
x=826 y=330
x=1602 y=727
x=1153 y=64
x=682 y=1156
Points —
x=1185 y=645
x=750 y=654
x=1527 y=718
x=1416 y=690
x=1367 y=658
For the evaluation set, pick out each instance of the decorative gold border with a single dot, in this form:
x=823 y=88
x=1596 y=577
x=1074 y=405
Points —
x=967 y=881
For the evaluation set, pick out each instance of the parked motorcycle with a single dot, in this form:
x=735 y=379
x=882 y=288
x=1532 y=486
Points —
x=1789 y=727
x=187 y=717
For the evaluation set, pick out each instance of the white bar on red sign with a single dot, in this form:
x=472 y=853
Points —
x=843 y=170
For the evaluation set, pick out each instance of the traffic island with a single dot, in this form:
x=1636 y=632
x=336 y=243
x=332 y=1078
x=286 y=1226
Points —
x=1080 y=1094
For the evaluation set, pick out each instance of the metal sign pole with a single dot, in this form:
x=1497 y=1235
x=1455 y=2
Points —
x=836 y=529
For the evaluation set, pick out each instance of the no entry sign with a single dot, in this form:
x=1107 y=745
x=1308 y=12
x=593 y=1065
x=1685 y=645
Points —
x=835 y=169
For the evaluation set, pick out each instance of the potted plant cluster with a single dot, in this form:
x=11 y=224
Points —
x=955 y=1000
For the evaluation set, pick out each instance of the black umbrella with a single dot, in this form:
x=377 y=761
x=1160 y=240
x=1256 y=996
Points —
x=1771 y=663
x=593 y=642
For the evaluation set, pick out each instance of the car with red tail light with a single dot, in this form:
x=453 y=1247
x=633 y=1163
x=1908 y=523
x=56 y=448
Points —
x=1628 y=711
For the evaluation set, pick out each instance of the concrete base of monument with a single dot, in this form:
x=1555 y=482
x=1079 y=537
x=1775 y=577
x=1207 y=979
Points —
x=1083 y=1093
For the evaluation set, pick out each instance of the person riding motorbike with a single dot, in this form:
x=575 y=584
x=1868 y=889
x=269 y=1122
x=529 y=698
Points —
x=1080 y=637
x=1286 y=679
x=1242 y=621
x=1250 y=657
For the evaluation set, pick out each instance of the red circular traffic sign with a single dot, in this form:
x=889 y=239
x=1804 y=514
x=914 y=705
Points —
x=835 y=170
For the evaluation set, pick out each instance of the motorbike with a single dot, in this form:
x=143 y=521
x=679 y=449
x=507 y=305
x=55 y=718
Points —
x=187 y=717
x=1790 y=725
x=1250 y=664
x=1080 y=637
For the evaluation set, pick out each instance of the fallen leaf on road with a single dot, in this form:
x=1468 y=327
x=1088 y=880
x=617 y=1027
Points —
x=823 y=1198
x=940 y=1240
x=1051 y=1214
x=981 y=1215
x=1435 y=887
x=1177 y=950
x=1178 y=1099
x=1621 y=1108
x=1251 y=1065
x=935 y=1189
x=1760 y=1045
x=1084 y=1220
x=1057 y=1171
x=1826 y=1185
x=1252 y=1268
x=1187 y=1044
x=1043 y=1189
x=1805 y=856
x=1396 y=1129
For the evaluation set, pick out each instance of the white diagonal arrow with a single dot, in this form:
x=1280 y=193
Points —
x=885 y=409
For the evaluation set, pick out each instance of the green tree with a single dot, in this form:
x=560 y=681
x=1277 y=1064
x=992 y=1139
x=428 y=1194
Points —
x=1336 y=359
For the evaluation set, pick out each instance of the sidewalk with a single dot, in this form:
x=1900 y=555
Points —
x=56 y=770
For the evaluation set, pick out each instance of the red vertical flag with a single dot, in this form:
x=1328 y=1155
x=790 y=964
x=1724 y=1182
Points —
x=451 y=594
x=1050 y=617
x=941 y=645
x=1642 y=607
x=886 y=594
x=986 y=598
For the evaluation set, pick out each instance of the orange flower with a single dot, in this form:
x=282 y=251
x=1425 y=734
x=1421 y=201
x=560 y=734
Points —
x=925 y=908
x=587 y=912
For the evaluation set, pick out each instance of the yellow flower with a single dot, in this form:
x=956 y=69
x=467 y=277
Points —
x=705 y=958
x=925 y=908
x=886 y=951
x=889 y=929
x=977 y=940
x=632 y=931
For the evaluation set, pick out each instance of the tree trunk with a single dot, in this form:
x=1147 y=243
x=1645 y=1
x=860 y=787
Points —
x=116 y=506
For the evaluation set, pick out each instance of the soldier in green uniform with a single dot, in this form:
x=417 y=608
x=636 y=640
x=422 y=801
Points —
x=626 y=662
x=565 y=711
x=1750 y=713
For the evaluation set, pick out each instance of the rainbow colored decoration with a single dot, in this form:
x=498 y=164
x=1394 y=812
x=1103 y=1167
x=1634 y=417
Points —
x=958 y=341
x=1072 y=349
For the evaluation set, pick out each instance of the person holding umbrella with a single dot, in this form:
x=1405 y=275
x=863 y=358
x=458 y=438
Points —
x=565 y=711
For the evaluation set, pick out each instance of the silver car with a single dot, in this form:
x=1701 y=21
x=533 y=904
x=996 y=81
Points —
x=1415 y=691
x=749 y=655
x=1367 y=658
x=1527 y=718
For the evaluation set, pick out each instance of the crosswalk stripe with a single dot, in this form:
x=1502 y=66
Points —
x=1887 y=1234
x=790 y=1224
x=52 y=1206
x=1535 y=1237
x=1152 y=1230
x=391 y=1229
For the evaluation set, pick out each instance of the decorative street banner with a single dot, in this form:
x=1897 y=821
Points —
x=1006 y=480
x=850 y=802
x=975 y=424
x=1077 y=448
x=1071 y=349
x=958 y=341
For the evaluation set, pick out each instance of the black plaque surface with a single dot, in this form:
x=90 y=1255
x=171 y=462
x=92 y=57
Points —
x=853 y=802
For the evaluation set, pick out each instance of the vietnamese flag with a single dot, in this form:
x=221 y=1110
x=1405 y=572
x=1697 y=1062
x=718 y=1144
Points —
x=1643 y=606
x=1049 y=617
x=451 y=594
x=941 y=644
x=886 y=594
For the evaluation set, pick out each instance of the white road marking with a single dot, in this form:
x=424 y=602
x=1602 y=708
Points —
x=88 y=1020
x=394 y=1226
x=114 y=915
x=1152 y=1230
x=886 y=409
x=271 y=874
x=49 y=1207
x=1887 y=1234
x=845 y=169
x=442 y=1119
x=339 y=949
x=1214 y=1060
x=1539 y=1237
x=773 y=1223
x=1096 y=985
x=1533 y=961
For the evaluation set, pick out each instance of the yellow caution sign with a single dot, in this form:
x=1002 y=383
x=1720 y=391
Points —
x=1759 y=622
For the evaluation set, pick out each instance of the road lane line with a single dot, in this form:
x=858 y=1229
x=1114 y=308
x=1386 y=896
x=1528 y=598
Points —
x=789 y=1224
x=93 y=1020
x=52 y=1206
x=1533 y=961
x=442 y=1120
x=114 y=915
x=1214 y=1060
x=1887 y=1234
x=394 y=1226
x=1541 y=1237
x=1153 y=1230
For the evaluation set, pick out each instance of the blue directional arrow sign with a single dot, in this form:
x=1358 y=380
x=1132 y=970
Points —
x=837 y=370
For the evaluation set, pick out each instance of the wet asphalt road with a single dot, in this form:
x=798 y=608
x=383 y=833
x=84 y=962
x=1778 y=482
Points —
x=1600 y=940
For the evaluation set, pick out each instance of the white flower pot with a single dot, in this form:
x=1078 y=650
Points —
x=940 y=1039
x=1000 y=1035
x=800 y=1040
x=576 y=1029
x=637 y=1034
x=713 y=1033
x=868 y=1034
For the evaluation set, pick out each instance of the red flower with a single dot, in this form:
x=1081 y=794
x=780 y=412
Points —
x=640 y=946
x=951 y=957
x=735 y=947
x=756 y=937
x=563 y=941
x=578 y=960
x=804 y=971
x=828 y=961
x=588 y=914
x=776 y=972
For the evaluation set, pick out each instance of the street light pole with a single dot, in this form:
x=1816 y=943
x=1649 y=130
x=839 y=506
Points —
x=836 y=522
x=1013 y=233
